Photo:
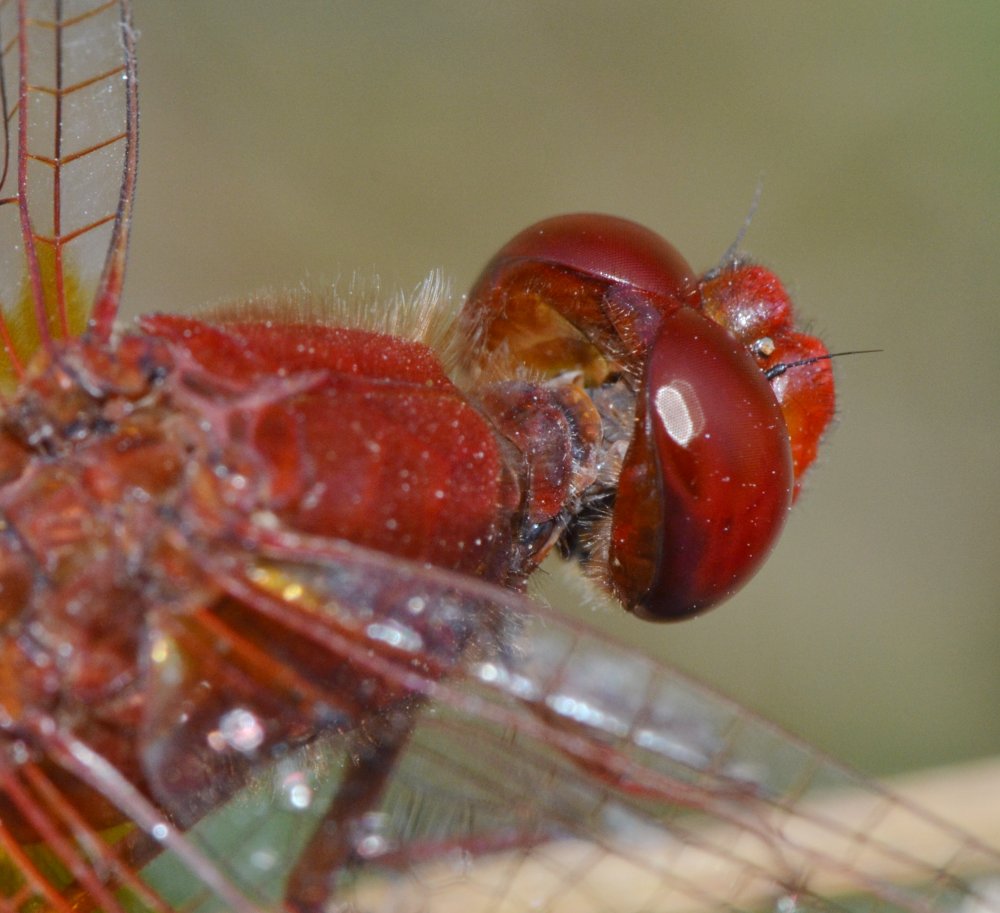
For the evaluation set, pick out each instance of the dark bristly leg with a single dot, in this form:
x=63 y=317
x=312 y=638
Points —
x=334 y=845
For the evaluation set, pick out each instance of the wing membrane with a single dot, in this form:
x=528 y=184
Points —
x=554 y=767
x=69 y=148
x=692 y=784
x=550 y=769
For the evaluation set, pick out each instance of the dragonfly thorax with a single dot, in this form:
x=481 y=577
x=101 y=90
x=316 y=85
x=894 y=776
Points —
x=105 y=478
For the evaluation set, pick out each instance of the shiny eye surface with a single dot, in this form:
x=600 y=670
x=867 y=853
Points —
x=707 y=480
x=718 y=445
x=580 y=292
x=618 y=250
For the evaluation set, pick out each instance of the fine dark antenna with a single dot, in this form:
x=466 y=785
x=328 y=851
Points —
x=779 y=369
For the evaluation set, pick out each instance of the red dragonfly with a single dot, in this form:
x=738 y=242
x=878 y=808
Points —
x=263 y=641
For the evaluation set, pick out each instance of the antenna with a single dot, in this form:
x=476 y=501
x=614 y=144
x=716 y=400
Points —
x=730 y=256
x=779 y=369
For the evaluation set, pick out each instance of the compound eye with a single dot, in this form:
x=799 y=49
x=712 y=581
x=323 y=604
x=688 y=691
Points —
x=582 y=292
x=707 y=481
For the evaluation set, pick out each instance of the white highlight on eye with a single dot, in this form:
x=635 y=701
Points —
x=679 y=409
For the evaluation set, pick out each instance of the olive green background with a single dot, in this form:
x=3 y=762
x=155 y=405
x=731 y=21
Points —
x=307 y=140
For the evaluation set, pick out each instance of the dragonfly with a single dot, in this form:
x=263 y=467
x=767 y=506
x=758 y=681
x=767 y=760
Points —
x=265 y=643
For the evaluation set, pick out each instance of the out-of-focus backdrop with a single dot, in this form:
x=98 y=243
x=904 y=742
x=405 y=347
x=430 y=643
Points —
x=307 y=140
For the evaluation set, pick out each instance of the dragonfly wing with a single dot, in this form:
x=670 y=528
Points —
x=67 y=176
x=550 y=768
x=266 y=693
x=70 y=860
x=680 y=798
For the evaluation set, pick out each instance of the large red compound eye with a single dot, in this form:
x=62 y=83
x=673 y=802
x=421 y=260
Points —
x=582 y=292
x=617 y=250
x=722 y=431
x=707 y=480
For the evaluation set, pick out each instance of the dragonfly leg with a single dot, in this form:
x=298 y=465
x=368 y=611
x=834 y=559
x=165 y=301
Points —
x=336 y=842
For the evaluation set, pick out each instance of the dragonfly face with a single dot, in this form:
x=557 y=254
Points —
x=260 y=574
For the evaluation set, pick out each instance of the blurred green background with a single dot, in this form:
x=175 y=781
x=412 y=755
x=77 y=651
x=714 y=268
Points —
x=308 y=140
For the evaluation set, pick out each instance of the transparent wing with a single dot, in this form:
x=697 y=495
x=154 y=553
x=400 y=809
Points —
x=68 y=169
x=685 y=798
x=550 y=769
